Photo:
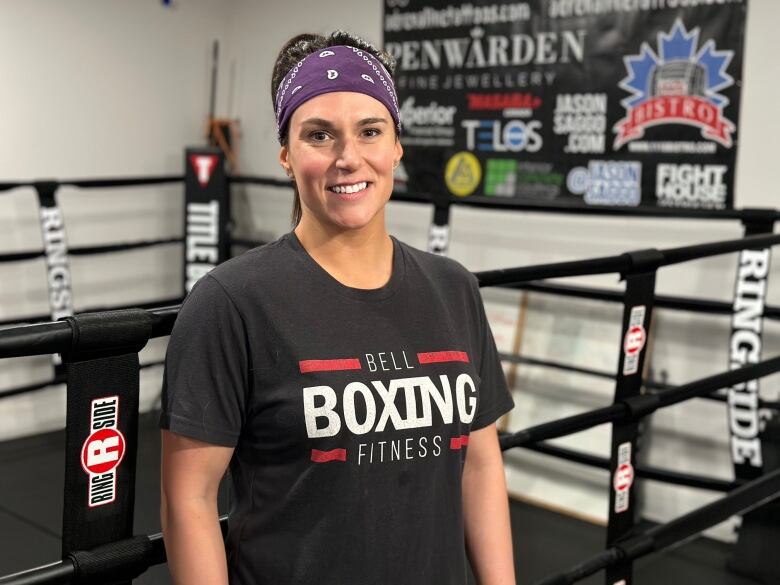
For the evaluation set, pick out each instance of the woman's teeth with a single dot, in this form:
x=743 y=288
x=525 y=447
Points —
x=349 y=188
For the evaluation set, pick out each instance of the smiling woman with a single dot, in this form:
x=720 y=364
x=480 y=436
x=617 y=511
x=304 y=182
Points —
x=351 y=382
x=341 y=152
x=354 y=67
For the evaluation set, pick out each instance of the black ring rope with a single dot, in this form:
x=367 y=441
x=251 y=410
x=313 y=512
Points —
x=246 y=243
x=56 y=380
x=53 y=337
x=110 y=248
x=266 y=181
x=663 y=301
x=46 y=318
x=473 y=201
x=742 y=498
x=89 y=250
x=94 y=183
x=621 y=263
x=652 y=385
x=657 y=538
x=644 y=471
x=745 y=214
x=68 y=570
x=21 y=256
x=642 y=405
x=521 y=359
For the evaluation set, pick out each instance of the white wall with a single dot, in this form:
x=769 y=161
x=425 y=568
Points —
x=96 y=89
x=118 y=88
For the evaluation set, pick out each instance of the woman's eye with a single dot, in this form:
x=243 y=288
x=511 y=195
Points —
x=319 y=135
x=372 y=132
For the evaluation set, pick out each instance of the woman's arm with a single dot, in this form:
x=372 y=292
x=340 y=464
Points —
x=486 y=510
x=191 y=472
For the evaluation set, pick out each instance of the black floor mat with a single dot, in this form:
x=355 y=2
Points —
x=545 y=542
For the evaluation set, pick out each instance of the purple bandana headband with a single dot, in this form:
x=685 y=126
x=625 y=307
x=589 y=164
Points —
x=339 y=68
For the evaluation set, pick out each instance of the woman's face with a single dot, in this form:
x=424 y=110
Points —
x=341 y=149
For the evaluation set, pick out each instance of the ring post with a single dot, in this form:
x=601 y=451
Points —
x=55 y=247
x=754 y=434
x=206 y=213
x=637 y=313
x=439 y=232
x=745 y=344
x=101 y=427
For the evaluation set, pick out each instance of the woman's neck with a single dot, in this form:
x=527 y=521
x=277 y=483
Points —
x=360 y=258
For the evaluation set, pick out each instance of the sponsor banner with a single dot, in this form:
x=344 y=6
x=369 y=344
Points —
x=570 y=102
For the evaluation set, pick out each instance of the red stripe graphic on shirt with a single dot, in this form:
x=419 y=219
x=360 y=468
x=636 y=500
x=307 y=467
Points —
x=437 y=357
x=308 y=366
x=457 y=442
x=324 y=456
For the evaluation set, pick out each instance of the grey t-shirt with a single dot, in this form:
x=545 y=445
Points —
x=349 y=410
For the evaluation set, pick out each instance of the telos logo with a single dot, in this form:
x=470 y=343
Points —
x=497 y=136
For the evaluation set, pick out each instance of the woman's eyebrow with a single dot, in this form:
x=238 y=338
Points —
x=318 y=122
x=366 y=121
x=323 y=123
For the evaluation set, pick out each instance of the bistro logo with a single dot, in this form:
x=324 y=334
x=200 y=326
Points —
x=677 y=85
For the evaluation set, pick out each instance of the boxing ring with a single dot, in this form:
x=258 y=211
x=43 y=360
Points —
x=100 y=349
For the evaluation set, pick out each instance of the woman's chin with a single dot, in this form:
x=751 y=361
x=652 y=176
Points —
x=354 y=219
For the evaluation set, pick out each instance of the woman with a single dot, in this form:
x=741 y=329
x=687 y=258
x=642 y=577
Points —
x=350 y=382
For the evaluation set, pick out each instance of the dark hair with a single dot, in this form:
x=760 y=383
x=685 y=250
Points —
x=299 y=47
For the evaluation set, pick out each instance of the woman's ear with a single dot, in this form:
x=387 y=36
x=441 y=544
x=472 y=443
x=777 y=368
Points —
x=284 y=160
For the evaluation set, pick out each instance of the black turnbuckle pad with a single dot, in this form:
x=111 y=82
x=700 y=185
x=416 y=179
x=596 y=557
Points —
x=46 y=189
x=642 y=261
x=115 y=562
x=642 y=405
x=108 y=333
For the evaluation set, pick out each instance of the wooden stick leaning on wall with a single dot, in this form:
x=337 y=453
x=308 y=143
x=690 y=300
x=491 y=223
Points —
x=517 y=345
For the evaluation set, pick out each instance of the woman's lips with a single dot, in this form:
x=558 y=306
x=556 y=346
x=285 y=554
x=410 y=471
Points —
x=345 y=196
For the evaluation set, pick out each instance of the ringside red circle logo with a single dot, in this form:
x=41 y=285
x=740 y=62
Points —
x=624 y=477
x=635 y=340
x=102 y=451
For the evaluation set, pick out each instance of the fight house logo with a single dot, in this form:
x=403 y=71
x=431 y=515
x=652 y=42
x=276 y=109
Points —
x=103 y=451
x=677 y=85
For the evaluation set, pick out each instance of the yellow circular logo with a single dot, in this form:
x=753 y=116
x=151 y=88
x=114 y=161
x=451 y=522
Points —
x=462 y=174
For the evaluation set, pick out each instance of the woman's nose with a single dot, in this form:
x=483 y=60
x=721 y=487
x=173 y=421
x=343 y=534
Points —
x=349 y=155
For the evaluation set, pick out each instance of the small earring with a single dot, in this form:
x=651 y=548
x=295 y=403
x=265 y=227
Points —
x=396 y=163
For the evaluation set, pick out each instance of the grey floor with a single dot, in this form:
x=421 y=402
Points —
x=31 y=481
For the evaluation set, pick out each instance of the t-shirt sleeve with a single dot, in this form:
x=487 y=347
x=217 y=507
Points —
x=205 y=380
x=494 y=396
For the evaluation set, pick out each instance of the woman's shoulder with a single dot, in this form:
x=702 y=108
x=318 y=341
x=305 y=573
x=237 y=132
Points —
x=254 y=268
x=439 y=268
